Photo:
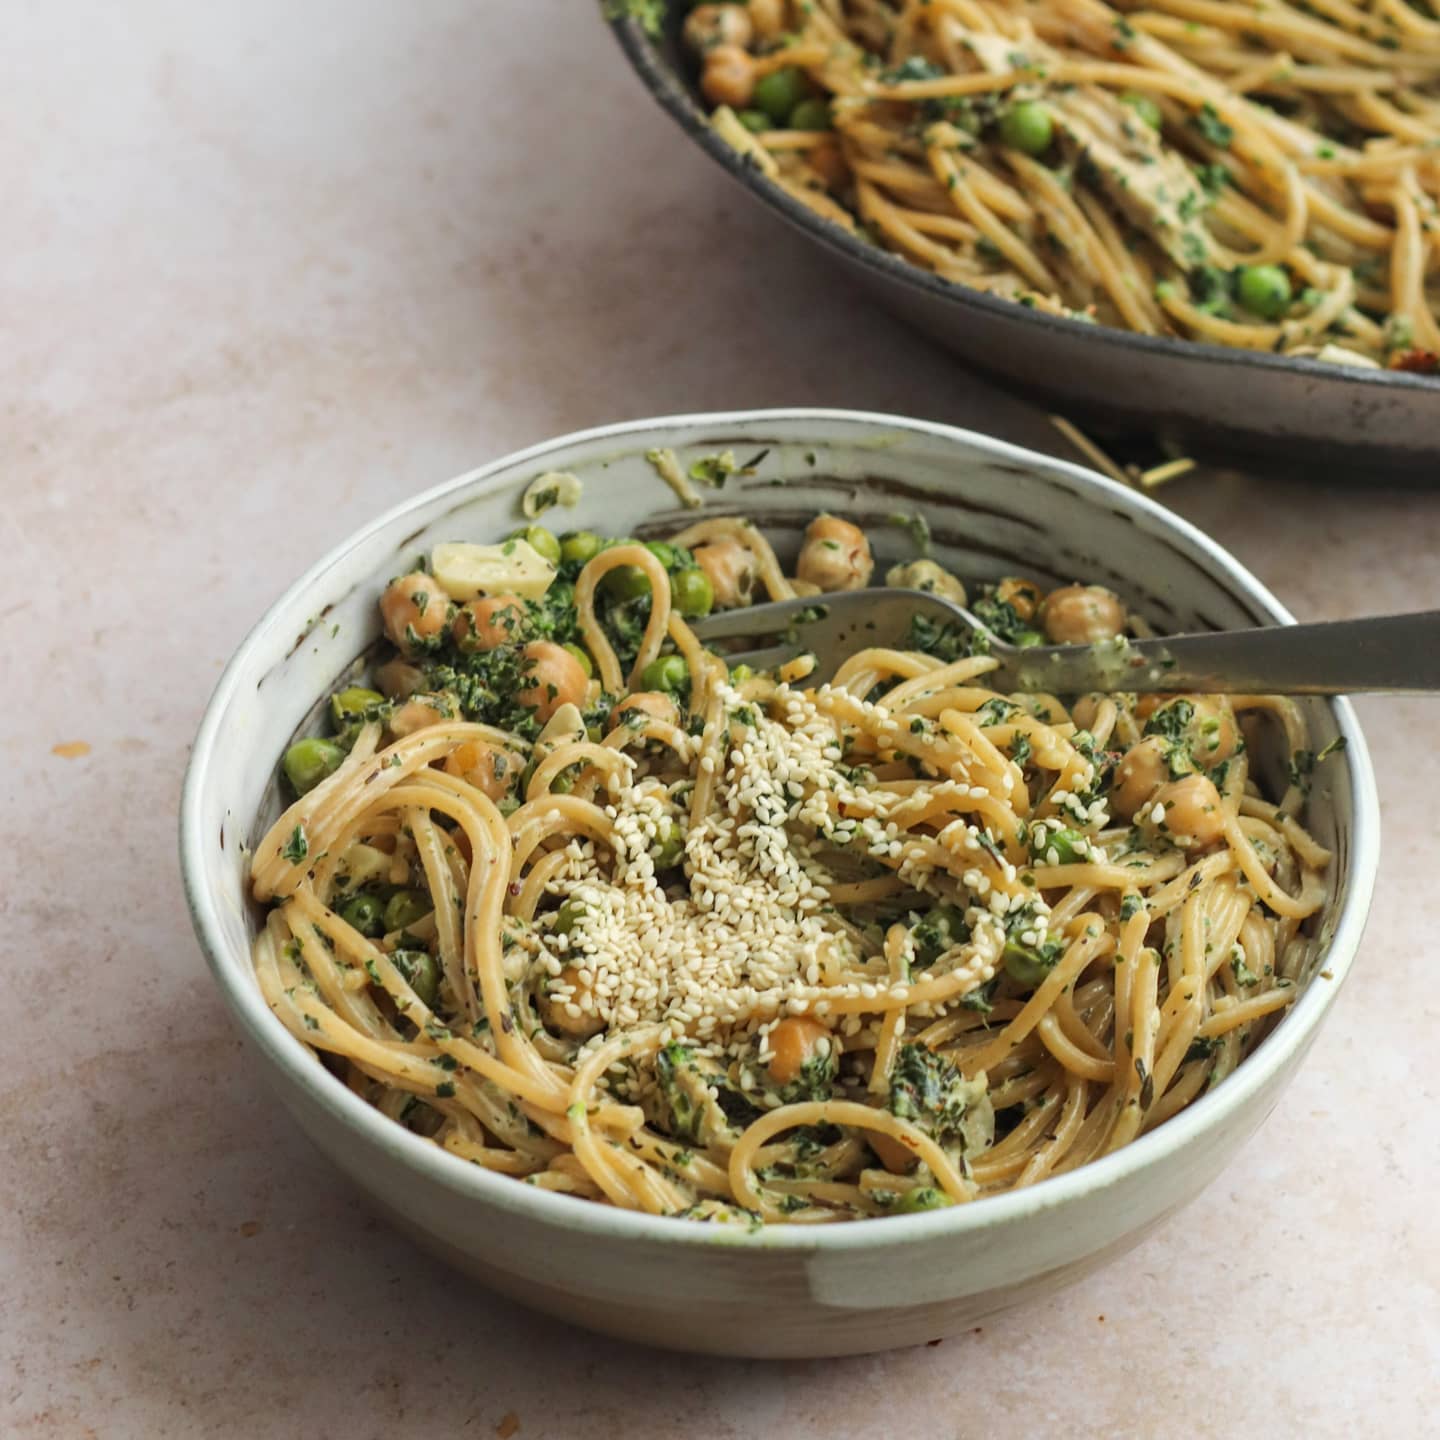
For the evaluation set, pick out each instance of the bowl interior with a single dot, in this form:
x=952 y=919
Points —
x=991 y=510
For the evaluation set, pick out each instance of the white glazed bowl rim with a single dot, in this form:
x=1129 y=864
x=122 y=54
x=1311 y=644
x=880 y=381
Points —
x=1208 y=1113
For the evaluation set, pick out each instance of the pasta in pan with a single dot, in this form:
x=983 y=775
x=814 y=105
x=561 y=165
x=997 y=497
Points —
x=1262 y=177
x=587 y=906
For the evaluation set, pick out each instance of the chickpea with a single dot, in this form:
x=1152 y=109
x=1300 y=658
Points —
x=1214 y=736
x=793 y=1044
x=768 y=17
x=399 y=679
x=835 y=555
x=491 y=769
x=896 y=1157
x=552 y=677
x=654 y=703
x=709 y=25
x=422 y=711
x=1142 y=771
x=1024 y=597
x=1205 y=726
x=728 y=77
x=414 y=609
x=1085 y=711
x=1082 y=615
x=829 y=163
x=730 y=568
x=488 y=623
x=555 y=1015
x=926 y=575
x=1194 y=817
x=1147 y=705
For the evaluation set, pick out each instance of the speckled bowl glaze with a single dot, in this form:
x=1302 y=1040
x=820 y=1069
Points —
x=846 y=1288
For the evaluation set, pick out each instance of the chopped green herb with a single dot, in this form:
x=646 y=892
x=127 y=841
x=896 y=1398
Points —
x=1208 y=122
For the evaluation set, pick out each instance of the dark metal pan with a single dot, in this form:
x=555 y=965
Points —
x=1325 y=419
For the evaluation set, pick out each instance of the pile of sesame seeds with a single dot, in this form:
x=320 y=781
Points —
x=751 y=936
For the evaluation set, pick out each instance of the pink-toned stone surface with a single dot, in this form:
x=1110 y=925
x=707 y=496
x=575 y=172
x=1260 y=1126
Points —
x=265 y=269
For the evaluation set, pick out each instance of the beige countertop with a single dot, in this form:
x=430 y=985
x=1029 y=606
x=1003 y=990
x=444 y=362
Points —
x=268 y=268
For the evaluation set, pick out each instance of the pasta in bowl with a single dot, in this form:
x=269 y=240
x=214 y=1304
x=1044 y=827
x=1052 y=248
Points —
x=600 y=911
x=740 y=949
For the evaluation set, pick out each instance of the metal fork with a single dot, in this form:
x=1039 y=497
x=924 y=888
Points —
x=1385 y=653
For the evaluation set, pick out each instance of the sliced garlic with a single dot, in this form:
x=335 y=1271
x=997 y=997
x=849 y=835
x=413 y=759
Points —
x=511 y=568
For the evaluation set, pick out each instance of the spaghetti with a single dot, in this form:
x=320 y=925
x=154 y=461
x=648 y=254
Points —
x=701 y=942
x=1262 y=177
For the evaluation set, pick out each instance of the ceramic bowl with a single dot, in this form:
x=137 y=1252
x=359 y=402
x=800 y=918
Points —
x=785 y=1291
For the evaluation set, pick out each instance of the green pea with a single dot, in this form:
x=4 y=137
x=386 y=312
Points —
x=666 y=672
x=569 y=916
x=541 y=541
x=353 y=703
x=665 y=553
x=691 y=592
x=580 y=653
x=365 y=913
x=739 y=674
x=625 y=582
x=922 y=1197
x=1144 y=107
x=421 y=972
x=1024 y=639
x=1065 y=843
x=1028 y=127
x=812 y=114
x=404 y=908
x=579 y=547
x=755 y=121
x=1264 y=290
x=668 y=845
x=779 y=92
x=307 y=762
x=1025 y=965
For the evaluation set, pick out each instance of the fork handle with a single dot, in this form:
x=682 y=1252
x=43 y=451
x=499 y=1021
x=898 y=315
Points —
x=1394 y=654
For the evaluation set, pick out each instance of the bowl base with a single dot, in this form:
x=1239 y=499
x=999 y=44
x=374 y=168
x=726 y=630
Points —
x=761 y=1331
